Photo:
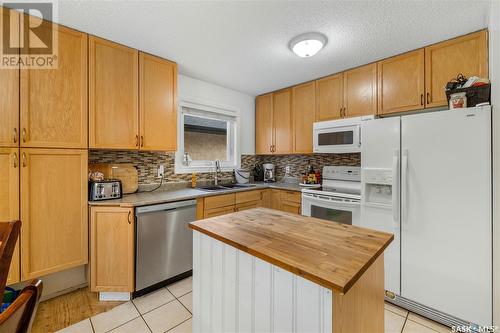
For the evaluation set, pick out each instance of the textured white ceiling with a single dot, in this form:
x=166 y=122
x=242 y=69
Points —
x=243 y=45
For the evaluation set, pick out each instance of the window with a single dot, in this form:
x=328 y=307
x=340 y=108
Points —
x=206 y=134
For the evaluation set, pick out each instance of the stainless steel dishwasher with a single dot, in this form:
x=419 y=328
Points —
x=164 y=244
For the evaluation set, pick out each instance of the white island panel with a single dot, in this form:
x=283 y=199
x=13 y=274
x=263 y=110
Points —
x=236 y=292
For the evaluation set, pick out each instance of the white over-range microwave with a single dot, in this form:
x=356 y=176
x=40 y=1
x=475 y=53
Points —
x=338 y=136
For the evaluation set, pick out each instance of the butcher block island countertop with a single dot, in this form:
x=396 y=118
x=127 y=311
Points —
x=330 y=254
x=262 y=270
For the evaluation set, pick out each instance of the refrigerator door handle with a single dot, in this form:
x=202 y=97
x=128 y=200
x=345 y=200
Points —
x=395 y=188
x=404 y=187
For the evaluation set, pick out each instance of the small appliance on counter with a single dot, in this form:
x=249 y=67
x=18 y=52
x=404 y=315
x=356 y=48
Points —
x=105 y=189
x=258 y=173
x=269 y=172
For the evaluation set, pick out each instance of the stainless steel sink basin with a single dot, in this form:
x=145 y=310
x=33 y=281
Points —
x=214 y=188
x=211 y=188
x=238 y=185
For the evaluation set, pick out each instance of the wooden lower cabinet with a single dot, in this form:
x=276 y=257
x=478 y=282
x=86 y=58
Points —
x=287 y=201
x=9 y=201
x=54 y=232
x=111 y=249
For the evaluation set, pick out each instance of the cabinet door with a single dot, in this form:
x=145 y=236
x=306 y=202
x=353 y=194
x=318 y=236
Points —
x=467 y=55
x=360 y=91
x=282 y=120
x=111 y=249
x=401 y=83
x=9 y=97
x=9 y=201
x=329 y=97
x=264 y=124
x=304 y=113
x=218 y=211
x=276 y=199
x=266 y=199
x=113 y=95
x=53 y=210
x=158 y=103
x=54 y=102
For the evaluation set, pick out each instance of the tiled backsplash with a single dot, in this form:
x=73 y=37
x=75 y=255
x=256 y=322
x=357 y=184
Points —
x=298 y=163
x=147 y=163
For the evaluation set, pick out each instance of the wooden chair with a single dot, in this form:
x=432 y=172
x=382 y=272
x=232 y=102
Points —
x=9 y=233
x=18 y=317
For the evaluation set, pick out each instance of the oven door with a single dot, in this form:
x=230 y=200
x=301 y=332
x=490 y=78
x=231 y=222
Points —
x=341 y=139
x=342 y=210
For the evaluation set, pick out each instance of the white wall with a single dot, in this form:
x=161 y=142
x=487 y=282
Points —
x=216 y=95
x=494 y=61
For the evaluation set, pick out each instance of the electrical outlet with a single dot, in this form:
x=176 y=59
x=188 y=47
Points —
x=161 y=171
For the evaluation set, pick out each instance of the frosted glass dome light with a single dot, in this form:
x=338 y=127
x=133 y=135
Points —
x=307 y=45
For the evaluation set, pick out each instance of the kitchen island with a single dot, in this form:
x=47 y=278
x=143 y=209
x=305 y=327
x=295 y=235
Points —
x=263 y=270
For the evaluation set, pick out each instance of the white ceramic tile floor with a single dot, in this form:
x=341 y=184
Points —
x=169 y=310
x=182 y=287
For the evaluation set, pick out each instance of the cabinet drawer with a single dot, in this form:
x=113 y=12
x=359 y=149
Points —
x=247 y=205
x=290 y=207
x=291 y=196
x=248 y=196
x=220 y=201
x=217 y=211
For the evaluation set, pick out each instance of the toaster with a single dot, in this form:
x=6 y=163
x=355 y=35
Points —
x=105 y=189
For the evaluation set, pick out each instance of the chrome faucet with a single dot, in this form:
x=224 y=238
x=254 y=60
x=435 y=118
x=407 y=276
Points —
x=216 y=173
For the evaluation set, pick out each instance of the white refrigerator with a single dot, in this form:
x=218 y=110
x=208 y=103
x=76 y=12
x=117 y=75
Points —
x=427 y=178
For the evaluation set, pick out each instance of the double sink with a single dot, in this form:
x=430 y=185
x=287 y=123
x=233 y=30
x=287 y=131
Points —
x=225 y=187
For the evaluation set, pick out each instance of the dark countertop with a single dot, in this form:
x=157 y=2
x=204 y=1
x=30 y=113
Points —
x=166 y=195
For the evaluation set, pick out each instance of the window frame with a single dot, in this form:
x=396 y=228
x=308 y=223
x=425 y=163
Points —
x=233 y=135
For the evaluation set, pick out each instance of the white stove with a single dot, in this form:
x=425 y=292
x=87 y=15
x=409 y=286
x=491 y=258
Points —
x=339 y=197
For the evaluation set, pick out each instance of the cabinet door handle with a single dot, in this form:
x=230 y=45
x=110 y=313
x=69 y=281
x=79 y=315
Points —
x=24 y=134
x=14 y=135
x=142 y=141
x=24 y=159
x=421 y=99
x=15 y=160
x=128 y=217
x=271 y=148
x=428 y=98
x=137 y=140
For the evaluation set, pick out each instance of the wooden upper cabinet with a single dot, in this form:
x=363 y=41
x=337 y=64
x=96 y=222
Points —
x=360 y=91
x=467 y=55
x=264 y=124
x=329 y=97
x=112 y=249
x=304 y=107
x=9 y=94
x=282 y=120
x=9 y=201
x=53 y=210
x=113 y=95
x=158 y=103
x=401 y=83
x=54 y=101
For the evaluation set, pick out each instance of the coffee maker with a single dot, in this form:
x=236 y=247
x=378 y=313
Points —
x=269 y=172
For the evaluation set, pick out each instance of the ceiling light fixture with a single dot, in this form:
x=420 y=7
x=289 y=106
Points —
x=308 y=44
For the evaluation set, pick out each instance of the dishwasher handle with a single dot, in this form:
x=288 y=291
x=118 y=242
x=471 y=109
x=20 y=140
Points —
x=165 y=206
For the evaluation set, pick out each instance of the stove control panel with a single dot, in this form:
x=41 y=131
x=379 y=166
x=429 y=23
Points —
x=349 y=173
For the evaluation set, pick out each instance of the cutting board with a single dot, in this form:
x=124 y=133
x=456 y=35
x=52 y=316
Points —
x=125 y=172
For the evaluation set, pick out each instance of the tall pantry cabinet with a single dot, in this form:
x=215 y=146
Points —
x=43 y=159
